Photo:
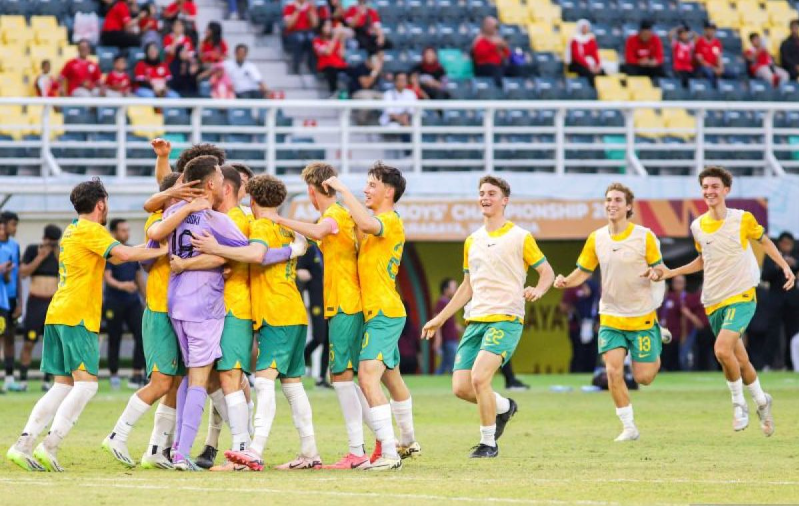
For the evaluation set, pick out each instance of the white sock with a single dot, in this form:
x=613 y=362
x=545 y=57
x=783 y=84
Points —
x=353 y=416
x=264 y=413
x=384 y=430
x=503 y=404
x=366 y=410
x=625 y=414
x=69 y=411
x=250 y=414
x=42 y=414
x=737 y=391
x=219 y=416
x=163 y=426
x=403 y=413
x=303 y=417
x=135 y=409
x=757 y=393
x=487 y=435
x=237 y=412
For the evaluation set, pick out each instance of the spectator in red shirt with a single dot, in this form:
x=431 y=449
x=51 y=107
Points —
x=119 y=28
x=213 y=48
x=45 y=84
x=368 y=31
x=670 y=316
x=300 y=19
x=149 y=25
x=708 y=54
x=643 y=53
x=490 y=51
x=582 y=56
x=432 y=76
x=761 y=65
x=81 y=75
x=152 y=75
x=329 y=49
x=177 y=38
x=117 y=82
x=682 y=53
x=182 y=9
x=448 y=336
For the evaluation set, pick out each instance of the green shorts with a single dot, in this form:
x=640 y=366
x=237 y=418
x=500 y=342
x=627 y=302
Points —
x=643 y=345
x=380 y=338
x=282 y=348
x=345 y=332
x=68 y=349
x=735 y=317
x=499 y=338
x=236 y=345
x=161 y=348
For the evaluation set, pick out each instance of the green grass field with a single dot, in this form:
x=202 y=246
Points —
x=558 y=450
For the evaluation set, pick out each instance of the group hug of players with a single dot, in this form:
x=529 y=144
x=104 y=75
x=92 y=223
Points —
x=222 y=281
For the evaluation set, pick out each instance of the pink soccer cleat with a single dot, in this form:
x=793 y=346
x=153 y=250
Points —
x=350 y=461
x=246 y=458
x=301 y=463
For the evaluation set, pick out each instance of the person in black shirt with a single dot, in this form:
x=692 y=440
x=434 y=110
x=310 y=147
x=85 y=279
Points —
x=310 y=278
x=789 y=51
x=782 y=307
x=432 y=75
x=123 y=285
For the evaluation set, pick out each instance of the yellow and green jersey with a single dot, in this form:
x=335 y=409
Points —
x=379 y=259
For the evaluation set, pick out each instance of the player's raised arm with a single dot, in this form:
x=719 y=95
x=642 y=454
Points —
x=161 y=230
x=365 y=221
x=462 y=296
x=162 y=148
x=315 y=231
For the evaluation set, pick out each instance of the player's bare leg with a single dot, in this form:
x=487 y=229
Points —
x=724 y=349
x=614 y=366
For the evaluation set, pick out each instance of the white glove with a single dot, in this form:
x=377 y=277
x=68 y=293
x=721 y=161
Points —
x=298 y=246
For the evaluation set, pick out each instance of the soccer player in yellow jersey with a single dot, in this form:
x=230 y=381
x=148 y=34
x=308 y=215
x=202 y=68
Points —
x=627 y=308
x=496 y=259
x=280 y=320
x=380 y=253
x=722 y=236
x=336 y=234
x=71 y=349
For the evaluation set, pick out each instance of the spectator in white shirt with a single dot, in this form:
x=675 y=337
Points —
x=247 y=80
x=396 y=112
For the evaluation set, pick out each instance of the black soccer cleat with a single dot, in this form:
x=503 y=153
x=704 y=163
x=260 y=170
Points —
x=482 y=451
x=206 y=458
x=504 y=418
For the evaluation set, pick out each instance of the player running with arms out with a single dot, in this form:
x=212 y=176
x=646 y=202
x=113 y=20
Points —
x=280 y=320
x=628 y=305
x=336 y=234
x=71 y=348
x=379 y=257
x=731 y=273
x=496 y=259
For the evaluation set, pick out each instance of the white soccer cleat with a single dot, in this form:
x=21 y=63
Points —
x=47 y=459
x=665 y=335
x=740 y=416
x=118 y=450
x=23 y=459
x=156 y=460
x=413 y=450
x=385 y=464
x=628 y=434
x=766 y=418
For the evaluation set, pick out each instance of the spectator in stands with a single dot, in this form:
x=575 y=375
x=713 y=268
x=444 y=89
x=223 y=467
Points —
x=81 y=75
x=185 y=69
x=431 y=74
x=490 y=51
x=789 y=51
x=670 y=316
x=761 y=65
x=416 y=86
x=704 y=357
x=581 y=306
x=182 y=9
x=120 y=27
x=783 y=307
x=449 y=334
x=213 y=48
x=149 y=24
x=45 y=84
x=221 y=85
x=409 y=346
x=708 y=51
x=329 y=50
x=582 y=55
x=644 y=53
x=117 y=82
x=152 y=75
x=368 y=31
x=365 y=79
x=177 y=38
x=396 y=112
x=682 y=53
x=245 y=76
x=334 y=11
x=300 y=19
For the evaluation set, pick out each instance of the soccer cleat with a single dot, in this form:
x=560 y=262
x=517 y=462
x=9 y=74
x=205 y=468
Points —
x=385 y=464
x=766 y=418
x=517 y=386
x=153 y=459
x=118 y=450
x=482 y=451
x=628 y=434
x=115 y=382
x=503 y=419
x=740 y=416
x=322 y=383
x=665 y=335
x=413 y=450
x=229 y=466
x=46 y=386
x=186 y=464
x=22 y=386
x=377 y=453
x=301 y=462
x=246 y=458
x=47 y=459
x=24 y=460
x=350 y=461
x=207 y=457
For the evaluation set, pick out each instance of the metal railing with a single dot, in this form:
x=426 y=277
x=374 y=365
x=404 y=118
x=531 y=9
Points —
x=524 y=136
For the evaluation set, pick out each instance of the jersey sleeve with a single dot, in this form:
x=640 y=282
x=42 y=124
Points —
x=653 y=256
x=260 y=232
x=533 y=257
x=466 y=246
x=750 y=228
x=225 y=230
x=588 y=261
x=99 y=241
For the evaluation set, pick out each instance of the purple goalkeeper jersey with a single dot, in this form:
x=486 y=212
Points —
x=196 y=296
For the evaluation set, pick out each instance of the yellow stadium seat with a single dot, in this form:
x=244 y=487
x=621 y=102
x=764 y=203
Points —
x=56 y=36
x=148 y=127
x=44 y=22
x=646 y=95
x=647 y=119
x=551 y=14
x=56 y=123
x=10 y=60
x=512 y=14
x=69 y=52
x=13 y=89
x=757 y=17
x=550 y=44
x=610 y=88
x=14 y=125
x=138 y=111
x=608 y=55
x=635 y=83
x=12 y=23
x=40 y=53
x=18 y=36
x=679 y=119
